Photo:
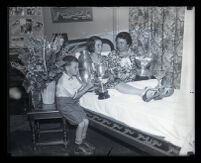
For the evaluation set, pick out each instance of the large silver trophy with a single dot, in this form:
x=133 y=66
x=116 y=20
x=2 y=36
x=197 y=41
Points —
x=92 y=72
x=102 y=91
x=85 y=67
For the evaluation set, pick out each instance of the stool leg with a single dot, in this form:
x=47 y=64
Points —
x=64 y=132
x=37 y=131
x=32 y=124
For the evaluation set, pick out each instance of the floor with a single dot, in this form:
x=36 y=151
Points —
x=20 y=143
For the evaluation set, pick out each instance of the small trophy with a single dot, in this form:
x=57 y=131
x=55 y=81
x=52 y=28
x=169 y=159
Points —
x=143 y=66
x=102 y=91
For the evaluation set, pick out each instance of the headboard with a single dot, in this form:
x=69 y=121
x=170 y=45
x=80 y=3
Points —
x=83 y=43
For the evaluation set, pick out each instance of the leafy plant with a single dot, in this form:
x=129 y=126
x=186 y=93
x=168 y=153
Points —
x=42 y=63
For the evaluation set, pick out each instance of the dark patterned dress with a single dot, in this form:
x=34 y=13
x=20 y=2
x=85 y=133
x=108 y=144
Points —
x=118 y=66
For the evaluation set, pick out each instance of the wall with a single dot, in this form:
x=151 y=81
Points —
x=188 y=71
x=188 y=59
x=102 y=25
x=22 y=21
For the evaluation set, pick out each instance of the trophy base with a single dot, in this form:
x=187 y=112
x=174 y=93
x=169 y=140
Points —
x=103 y=95
x=143 y=73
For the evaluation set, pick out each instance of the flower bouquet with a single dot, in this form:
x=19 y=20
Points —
x=40 y=66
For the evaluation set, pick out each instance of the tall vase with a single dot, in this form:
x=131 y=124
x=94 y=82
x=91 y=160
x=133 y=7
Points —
x=48 y=94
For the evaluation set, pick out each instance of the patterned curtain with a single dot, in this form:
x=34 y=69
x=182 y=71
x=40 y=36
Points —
x=159 y=31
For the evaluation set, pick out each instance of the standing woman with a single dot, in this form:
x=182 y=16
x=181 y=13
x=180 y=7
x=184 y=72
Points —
x=59 y=42
x=54 y=52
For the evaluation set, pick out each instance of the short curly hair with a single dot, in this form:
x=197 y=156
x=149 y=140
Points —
x=126 y=36
x=91 y=43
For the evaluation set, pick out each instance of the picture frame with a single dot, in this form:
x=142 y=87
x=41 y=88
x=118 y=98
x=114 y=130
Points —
x=71 y=14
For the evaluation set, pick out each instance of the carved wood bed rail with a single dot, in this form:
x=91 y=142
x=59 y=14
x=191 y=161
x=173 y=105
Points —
x=84 y=42
x=145 y=142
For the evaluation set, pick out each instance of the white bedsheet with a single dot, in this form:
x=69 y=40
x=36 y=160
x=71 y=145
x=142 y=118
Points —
x=171 y=117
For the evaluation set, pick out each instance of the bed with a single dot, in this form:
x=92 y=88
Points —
x=162 y=127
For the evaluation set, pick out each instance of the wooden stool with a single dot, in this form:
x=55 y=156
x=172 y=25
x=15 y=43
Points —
x=35 y=117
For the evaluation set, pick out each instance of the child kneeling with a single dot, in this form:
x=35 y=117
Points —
x=68 y=91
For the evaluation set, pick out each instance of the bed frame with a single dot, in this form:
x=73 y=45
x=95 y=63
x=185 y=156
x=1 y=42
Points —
x=145 y=142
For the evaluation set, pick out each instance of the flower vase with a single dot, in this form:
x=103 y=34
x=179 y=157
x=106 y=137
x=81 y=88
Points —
x=48 y=94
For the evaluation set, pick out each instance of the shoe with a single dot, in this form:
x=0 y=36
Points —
x=81 y=150
x=164 y=92
x=168 y=92
x=160 y=96
x=147 y=99
x=89 y=145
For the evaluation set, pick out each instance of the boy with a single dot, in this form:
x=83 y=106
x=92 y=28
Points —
x=68 y=91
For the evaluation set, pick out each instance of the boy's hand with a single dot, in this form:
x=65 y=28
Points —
x=89 y=85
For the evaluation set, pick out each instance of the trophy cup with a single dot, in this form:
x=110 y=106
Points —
x=85 y=67
x=102 y=91
x=143 y=66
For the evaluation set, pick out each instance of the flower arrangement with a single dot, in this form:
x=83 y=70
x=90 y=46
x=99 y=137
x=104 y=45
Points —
x=42 y=64
x=42 y=67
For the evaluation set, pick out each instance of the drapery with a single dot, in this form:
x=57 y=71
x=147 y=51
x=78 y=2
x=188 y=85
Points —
x=158 y=31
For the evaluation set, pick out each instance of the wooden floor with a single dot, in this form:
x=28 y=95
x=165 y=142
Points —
x=20 y=143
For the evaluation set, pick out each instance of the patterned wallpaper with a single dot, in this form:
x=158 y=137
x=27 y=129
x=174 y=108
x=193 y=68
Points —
x=158 y=31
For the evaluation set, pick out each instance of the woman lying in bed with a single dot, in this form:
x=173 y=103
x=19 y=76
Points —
x=121 y=67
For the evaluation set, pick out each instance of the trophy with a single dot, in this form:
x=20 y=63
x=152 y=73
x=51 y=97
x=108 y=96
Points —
x=85 y=67
x=102 y=91
x=159 y=75
x=143 y=66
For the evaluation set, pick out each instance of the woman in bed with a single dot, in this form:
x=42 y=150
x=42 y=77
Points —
x=120 y=66
x=122 y=69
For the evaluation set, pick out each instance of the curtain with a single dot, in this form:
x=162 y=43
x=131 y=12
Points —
x=159 y=31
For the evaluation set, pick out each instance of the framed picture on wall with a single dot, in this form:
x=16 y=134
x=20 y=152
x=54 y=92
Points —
x=22 y=22
x=71 y=14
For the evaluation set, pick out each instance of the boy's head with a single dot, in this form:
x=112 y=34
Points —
x=71 y=65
